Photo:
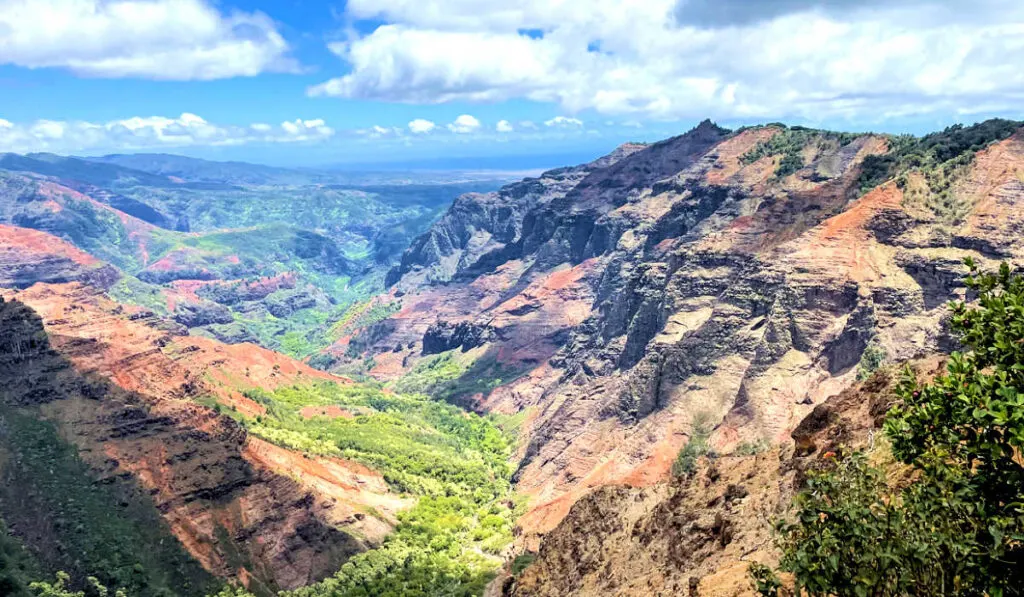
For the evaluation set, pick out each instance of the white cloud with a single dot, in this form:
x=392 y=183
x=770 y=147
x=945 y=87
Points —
x=504 y=126
x=376 y=131
x=564 y=122
x=813 y=59
x=304 y=130
x=421 y=126
x=156 y=39
x=152 y=132
x=527 y=124
x=464 y=124
x=48 y=129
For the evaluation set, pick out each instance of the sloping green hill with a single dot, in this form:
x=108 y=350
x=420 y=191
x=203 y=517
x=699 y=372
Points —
x=187 y=232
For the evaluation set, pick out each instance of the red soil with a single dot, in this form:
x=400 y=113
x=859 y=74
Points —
x=332 y=412
x=41 y=243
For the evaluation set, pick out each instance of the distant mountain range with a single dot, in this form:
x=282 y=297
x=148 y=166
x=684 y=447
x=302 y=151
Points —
x=184 y=233
x=605 y=379
x=241 y=173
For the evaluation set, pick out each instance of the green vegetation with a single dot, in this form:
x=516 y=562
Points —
x=17 y=567
x=953 y=522
x=454 y=462
x=752 y=448
x=926 y=168
x=907 y=152
x=522 y=562
x=698 y=446
x=363 y=314
x=59 y=588
x=790 y=144
x=871 y=360
x=940 y=159
x=132 y=291
x=337 y=241
x=110 y=529
x=454 y=375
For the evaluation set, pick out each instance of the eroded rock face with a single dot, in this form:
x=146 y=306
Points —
x=201 y=313
x=444 y=336
x=683 y=282
x=122 y=390
x=481 y=223
x=697 y=535
x=30 y=256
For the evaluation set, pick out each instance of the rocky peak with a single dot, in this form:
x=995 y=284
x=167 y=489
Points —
x=478 y=224
x=622 y=151
x=734 y=277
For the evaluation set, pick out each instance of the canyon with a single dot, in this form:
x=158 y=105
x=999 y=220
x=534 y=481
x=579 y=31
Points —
x=740 y=285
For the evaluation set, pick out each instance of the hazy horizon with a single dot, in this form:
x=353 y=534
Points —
x=390 y=81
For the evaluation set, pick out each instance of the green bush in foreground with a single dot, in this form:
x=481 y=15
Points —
x=958 y=528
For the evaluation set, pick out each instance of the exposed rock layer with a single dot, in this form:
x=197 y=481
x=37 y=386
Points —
x=697 y=535
x=683 y=281
x=123 y=391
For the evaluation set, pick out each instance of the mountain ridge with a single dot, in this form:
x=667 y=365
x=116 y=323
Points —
x=724 y=289
x=612 y=298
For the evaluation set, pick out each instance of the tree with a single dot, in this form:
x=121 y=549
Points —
x=59 y=588
x=958 y=528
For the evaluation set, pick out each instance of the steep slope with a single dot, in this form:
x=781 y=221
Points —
x=740 y=278
x=477 y=224
x=127 y=395
x=29 y=256
x=697 y=534
x=177 y=242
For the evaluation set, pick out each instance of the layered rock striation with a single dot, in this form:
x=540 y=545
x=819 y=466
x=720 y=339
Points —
x=128 y=394
x=702 y=278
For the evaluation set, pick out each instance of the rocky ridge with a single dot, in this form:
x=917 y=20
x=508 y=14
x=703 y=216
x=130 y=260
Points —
x=697 y=534
x=123 y=389
x=696 y=278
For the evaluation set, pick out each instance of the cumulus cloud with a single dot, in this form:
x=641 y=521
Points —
x=564 y=122
x=155 y=39
x=421 y=126
x=504 y=126
x=751 y=59
x=153 y=132
x=376 y=131
x=464 y=124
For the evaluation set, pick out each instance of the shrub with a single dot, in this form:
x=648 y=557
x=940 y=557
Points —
x=752 y=448
x=871 y=360
x=522 y=562
x=958 y=529
x=940 y=157
x=697 y=446
x=790 y=143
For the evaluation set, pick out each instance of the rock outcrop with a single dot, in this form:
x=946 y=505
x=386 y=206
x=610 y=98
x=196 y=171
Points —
x=443 y=336
x=697 y=535
x=695 y=279
x=30 y=256
x=480 y=223
x=124 y=392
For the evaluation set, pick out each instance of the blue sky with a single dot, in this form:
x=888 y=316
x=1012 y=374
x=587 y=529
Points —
x=306 y=82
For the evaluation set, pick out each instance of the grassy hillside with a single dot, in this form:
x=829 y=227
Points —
x=182 y=244
x=454 y=463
